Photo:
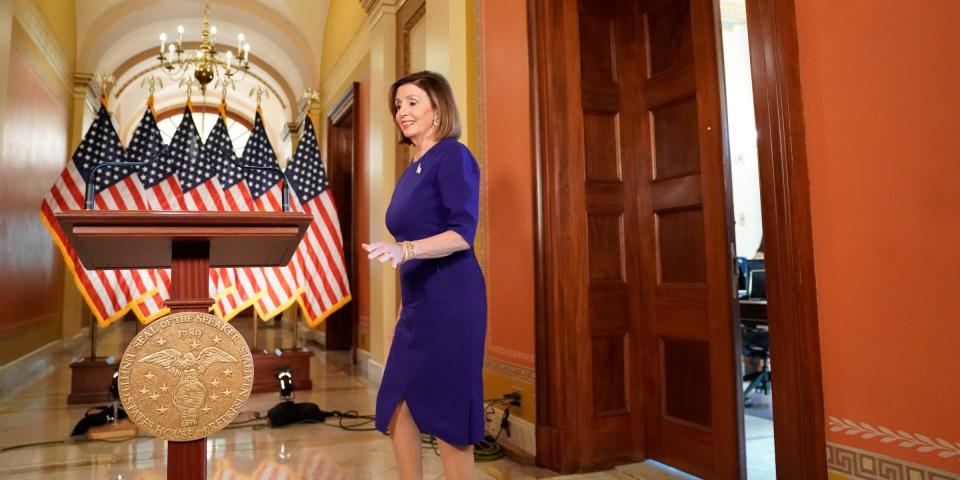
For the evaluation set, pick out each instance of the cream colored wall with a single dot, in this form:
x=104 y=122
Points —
x=343 y=21
x=446 y=50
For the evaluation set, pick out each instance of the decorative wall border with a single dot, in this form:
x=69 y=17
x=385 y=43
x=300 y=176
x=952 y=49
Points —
x=524 y=374
x=418 y=16
x=922 y=443
x=39 y=31
x=861 y=464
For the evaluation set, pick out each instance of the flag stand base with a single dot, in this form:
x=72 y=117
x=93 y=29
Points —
x=90 y=380
x=266 y=365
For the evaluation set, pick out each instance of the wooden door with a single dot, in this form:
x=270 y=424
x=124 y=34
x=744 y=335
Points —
x=690 y=332
x=341 y=327
x=658 y=222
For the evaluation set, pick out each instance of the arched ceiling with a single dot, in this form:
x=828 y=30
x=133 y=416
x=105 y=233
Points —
x=121 y=37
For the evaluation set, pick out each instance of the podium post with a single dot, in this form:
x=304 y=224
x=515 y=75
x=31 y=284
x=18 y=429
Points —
x=189 y=292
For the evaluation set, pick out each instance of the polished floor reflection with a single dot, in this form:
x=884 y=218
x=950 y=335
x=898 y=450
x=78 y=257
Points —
x=40 y=414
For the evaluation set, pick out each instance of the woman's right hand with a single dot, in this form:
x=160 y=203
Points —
x=384 y=252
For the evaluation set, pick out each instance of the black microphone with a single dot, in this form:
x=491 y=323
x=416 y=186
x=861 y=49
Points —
x=91 y=178
x=284 y=187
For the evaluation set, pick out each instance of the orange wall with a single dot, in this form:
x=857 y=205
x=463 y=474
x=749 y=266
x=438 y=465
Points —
x=508 y=154
x=34 y=149
x=881 y=104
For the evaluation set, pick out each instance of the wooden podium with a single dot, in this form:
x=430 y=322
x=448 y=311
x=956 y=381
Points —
x=188 y=243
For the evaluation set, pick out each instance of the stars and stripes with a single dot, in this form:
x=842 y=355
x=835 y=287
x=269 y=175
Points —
x=109 y=293
x=159 y=175
x=277 y=286
x=318 y=262
x=234 y=293
x=159 y=184
x=198 y=176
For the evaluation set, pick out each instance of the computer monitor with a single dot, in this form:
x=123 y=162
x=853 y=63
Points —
x=757 y=284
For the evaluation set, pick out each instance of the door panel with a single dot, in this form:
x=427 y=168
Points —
x=660 y=298
x=689 y=356
x=611 y=234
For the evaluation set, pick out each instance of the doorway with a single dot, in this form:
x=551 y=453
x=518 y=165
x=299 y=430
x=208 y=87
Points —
x=341 y=328
x=741 y=135
x=637 y=358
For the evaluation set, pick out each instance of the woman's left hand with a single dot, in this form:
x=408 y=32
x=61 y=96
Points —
x=384 y=252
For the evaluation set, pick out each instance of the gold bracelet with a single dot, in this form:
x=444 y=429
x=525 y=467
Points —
x=406 y=253
x=413 y=249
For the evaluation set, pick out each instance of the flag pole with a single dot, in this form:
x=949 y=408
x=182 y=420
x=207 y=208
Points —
x=296 y=327
x=256 y=347
x=93 y=338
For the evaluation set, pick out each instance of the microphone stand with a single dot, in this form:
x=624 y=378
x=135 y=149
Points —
x=88 y=203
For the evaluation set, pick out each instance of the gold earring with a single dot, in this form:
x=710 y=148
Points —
x=436 y=122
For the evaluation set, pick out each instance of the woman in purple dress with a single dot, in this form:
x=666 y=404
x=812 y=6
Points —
x=433 y=379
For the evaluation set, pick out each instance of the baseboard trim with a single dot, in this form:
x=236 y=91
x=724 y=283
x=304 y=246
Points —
x=370 y=369
x=522 y=441
x=21 y=373
x=855 y=463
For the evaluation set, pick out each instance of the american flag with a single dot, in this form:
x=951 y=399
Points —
x=277 y=285
x=143 y=149
x=160 y=186
x=318 y=261
x=109 y=293
x=196 y=172
x=197 y=177
x=232 y=295
x=159 y=176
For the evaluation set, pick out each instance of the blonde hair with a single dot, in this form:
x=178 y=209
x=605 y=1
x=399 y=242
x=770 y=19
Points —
x=441 y=99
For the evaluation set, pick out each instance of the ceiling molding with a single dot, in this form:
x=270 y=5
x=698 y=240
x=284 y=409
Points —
x=377 y=8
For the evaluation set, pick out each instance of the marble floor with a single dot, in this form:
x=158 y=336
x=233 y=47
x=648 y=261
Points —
x=39 y=414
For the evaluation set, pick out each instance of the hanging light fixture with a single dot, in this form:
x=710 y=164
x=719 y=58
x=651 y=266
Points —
x=206 y=63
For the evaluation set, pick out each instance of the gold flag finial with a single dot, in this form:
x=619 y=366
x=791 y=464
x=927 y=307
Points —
x=104 y=81
x=225 y=83
x=151 y=82
x=189 y=83
x=261 y=92
x=310 y=96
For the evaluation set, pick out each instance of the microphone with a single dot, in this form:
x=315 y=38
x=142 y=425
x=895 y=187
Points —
x=91 y=178
x=284 y=187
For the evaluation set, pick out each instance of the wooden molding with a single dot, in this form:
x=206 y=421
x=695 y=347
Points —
x=555 y=144
x=788 y=240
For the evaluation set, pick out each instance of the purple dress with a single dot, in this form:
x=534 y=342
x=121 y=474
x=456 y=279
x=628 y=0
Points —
x=436 y=360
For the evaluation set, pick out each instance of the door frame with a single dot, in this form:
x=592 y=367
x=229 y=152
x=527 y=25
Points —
x=349 y=102
x=788 y=241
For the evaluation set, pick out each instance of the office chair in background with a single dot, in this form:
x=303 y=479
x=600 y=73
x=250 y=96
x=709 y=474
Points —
x=755 y=343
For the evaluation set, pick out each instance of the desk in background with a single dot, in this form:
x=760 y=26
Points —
x=753 y=311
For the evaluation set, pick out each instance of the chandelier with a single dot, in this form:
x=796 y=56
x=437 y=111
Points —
x=206 y=63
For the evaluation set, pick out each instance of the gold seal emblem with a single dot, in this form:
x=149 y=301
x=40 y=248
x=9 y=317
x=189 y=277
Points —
x=185 y=376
